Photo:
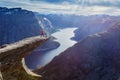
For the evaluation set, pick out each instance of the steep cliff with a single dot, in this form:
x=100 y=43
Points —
x=17 y=24
x=97 y=57
x=11 y=57
x=46 y=24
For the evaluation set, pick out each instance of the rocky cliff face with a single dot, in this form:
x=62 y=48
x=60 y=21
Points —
x=11 y=59
x=97 y=57
x=46 y=24
x=17 y=24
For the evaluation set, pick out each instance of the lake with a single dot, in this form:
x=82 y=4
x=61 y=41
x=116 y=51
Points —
x=37 y=60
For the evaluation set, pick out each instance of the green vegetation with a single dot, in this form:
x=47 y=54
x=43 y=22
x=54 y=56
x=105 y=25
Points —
x=18 y=74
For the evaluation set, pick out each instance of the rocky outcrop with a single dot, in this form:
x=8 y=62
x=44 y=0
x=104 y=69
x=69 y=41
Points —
x=17 y=24
x=11 y=58
x=97 y=57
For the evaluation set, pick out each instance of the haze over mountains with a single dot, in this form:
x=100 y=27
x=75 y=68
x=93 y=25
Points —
x=94 y=58
x=95 y=24
x=87 y=25
x=17 y=23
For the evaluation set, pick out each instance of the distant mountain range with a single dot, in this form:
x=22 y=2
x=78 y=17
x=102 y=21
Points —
x=87 y=25
x=97 y=57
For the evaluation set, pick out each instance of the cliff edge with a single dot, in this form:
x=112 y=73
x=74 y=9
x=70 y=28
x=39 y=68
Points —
x=11 y=58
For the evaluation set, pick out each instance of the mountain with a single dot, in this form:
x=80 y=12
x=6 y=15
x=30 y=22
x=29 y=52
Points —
x=63 y=21
x=17 y=24
x=95 y=24
x=97 y=57
x=87 y=25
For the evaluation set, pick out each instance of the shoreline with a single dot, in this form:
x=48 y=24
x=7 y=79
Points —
x=57 y=44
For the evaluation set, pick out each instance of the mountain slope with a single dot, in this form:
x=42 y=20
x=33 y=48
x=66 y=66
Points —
x=17 y=24
x=97 y=57
x=94 y=25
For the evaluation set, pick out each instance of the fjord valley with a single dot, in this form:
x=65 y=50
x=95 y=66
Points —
x=94 y=58
x=74 y=47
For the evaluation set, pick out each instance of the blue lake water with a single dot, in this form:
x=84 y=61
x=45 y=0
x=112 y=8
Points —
x=37 y=60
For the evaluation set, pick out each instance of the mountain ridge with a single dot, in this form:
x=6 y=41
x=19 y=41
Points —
x=17 y=24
